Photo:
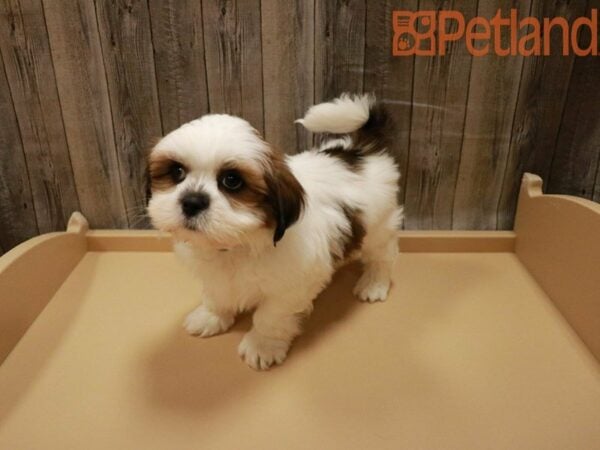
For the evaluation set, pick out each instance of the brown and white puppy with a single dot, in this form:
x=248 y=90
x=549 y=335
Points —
x=265 y=231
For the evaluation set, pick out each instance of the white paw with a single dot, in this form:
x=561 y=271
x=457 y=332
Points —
x=261 y=352
x=372 y=287
x=204 y=323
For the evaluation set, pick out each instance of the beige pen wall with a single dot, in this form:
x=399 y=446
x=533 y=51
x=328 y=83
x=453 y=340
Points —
x=86 y=86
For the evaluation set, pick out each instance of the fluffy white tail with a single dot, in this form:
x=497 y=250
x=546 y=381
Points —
x=345 y=114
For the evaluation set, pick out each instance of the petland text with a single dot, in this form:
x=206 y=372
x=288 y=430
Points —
x=429 y=33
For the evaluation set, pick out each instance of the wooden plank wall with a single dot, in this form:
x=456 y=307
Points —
x=86 y=86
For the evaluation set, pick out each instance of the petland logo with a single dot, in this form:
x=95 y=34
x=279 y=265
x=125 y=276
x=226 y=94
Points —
x=426 y=33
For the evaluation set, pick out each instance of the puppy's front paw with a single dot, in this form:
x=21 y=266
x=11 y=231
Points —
x=204 y=323
x=371 y=287
x=261 y=352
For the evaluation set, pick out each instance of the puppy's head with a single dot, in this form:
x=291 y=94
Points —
x=216 y=180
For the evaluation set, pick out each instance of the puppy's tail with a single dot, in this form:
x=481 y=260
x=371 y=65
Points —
x=359 y=115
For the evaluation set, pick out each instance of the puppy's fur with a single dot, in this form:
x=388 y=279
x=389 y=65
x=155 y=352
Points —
x=266 y=231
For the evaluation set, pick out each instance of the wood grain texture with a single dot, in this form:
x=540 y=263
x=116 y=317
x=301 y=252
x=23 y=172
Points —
x=493 y=93
x=538 y=115
x=88 y=84
x=438 y=118
x=124 y=29
x=596 y=196
x=234 y=59
x=17 y=214
x=30 y=73
x=577 y=154
x=390 y=78
x=178 y=40
x=288 y=70
x=339 y=47
x=83 y=93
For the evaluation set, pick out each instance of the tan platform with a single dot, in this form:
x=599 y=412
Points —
x=486 y=342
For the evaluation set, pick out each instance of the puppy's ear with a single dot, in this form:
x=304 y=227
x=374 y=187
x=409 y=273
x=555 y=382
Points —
x=285 y=196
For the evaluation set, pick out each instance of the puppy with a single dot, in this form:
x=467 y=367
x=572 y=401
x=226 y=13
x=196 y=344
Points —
x=266 y=231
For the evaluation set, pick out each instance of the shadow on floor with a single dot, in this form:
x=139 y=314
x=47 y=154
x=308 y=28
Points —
x=198 y=375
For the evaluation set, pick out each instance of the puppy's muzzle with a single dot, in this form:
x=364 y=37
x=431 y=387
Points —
x=193 y=203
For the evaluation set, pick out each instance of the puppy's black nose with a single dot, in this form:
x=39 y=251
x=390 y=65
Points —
x=194 y=202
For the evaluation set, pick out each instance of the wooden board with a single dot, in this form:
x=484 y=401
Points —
x=439 y=104
x=538 y=115
x=596 y=197
x=91 y=83
x=83 y=92
x=493 y=92
x=17 y=214
x=30 y=73
x=234 y=59
x=178 y=41
x=125 y=35
x=577 y=154
x=288 y=49
x=339 y=47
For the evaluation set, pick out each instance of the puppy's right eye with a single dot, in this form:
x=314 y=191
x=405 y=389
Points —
x=232 y=180
x=177 y=173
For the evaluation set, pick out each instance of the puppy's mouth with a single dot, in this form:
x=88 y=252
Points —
x=190 y=225
x=194 y=230
x=190 y=228
x=194 y=224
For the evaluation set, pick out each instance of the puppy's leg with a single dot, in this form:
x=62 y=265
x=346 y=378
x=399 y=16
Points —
x=268 y=342
x=378 y=256
x=374 y=284
x=206 y=320
x=276 y=322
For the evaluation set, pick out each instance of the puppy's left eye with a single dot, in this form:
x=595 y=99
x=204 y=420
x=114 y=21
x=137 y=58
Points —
x=231 y=180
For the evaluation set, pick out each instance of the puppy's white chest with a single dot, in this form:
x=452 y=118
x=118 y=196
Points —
x=231 y=279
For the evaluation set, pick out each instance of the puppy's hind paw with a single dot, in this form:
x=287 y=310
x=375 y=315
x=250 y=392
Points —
x=261 y=352
x=372 y=288
x=203 y=322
